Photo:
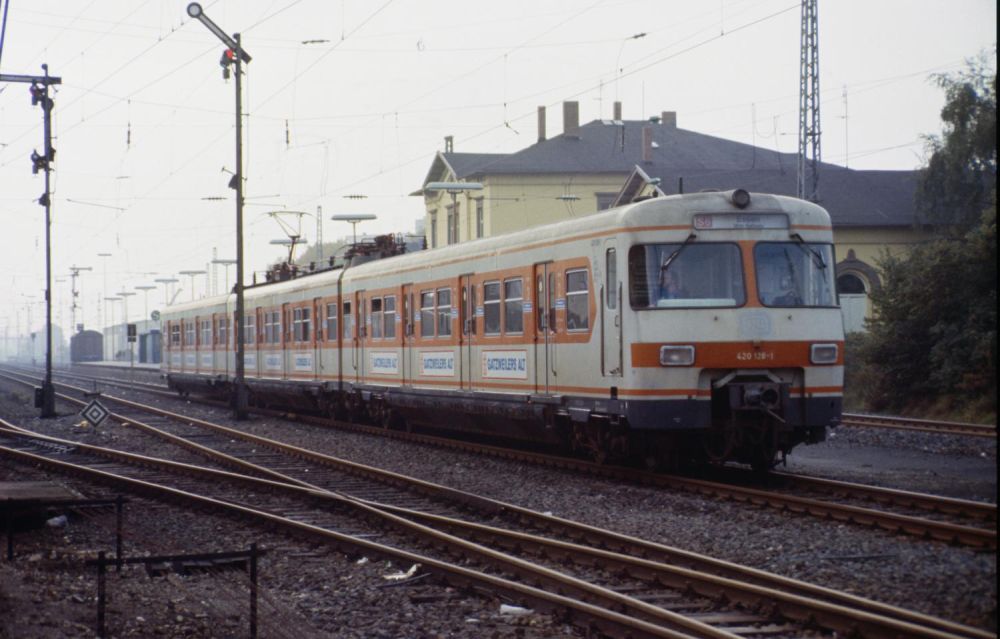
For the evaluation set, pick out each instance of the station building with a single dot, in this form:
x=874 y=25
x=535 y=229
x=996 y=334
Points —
x=604 y=163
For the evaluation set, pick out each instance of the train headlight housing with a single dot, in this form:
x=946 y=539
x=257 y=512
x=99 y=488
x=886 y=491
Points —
x=824 y=353
x=677 y=355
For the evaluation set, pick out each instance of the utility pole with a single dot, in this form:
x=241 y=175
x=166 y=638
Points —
x=45 y=397
x=234 y=55
x=809 y=98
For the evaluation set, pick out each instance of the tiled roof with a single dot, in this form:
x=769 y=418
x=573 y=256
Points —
x=854 y=198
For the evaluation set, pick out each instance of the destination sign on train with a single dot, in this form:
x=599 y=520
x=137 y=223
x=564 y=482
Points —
x=709 y=221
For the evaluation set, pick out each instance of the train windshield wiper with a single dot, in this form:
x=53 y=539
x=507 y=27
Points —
x=673 y=256
x=816 y=257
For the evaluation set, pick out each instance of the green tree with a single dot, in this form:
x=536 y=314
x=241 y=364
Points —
x=955 y=185
x=934 y=332
x=933 y=335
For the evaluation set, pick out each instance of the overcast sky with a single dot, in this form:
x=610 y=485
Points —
x=351 y=97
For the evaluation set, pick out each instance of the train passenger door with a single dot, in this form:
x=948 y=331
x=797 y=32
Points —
x=317 y=335
x=611 y=320
x=467 y=330
x=286 y=341
x=360 y=334
x=406 y=315
x=544 y=324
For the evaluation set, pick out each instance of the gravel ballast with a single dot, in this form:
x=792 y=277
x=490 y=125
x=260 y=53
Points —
x=931 y=577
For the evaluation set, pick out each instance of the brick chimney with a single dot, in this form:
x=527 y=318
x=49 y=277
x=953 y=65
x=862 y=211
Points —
x=647 y=144
x=571 y=119
x=541 y=124
x=669 y=119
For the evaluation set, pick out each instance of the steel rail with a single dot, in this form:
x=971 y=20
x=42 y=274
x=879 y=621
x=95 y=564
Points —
x=868 y=517
x=636 y=617
x=923 y=425
x=605 y=538
x=802 y=609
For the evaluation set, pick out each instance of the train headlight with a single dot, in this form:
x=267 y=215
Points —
x=676 y=355
x=824 y=354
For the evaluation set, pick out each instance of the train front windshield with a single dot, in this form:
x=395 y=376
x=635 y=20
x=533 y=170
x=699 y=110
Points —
x=710 y=275
x=685 y=275
x=795 y=274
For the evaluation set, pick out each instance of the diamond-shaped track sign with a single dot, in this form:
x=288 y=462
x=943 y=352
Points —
x=95 y=413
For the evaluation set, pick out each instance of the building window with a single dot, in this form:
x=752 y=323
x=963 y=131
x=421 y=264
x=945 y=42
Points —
x=389 y=315
x=605 y=200
x=453 y=223
x=376 y=318
x=434 y=230
x=427 y=314
x=491 y=308
x=577 y=301
x=444 y=312
x=513 y=306
x=850 y=284
x=479 y=218
x=331 y=322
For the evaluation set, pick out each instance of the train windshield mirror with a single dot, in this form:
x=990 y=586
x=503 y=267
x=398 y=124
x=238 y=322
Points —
x=790 y=276
x=702 y=275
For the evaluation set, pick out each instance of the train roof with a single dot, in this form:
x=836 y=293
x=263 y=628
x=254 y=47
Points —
x=655 y=212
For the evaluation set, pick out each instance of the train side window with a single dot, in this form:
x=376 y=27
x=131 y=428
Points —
x=189 y=333
x=206 y=332
x=553 y=324
x=306 y=324
x=376 y=317
x=539 y=307
x=175 y=334
x=331 y=322
x=249 y=329
x=223 y=332
x=347 y=320
x=427 y=314
x=577 y=301
x=513 y=306
x=611 y=286
x=491 y=308
x=389 y=311
x=444 y=312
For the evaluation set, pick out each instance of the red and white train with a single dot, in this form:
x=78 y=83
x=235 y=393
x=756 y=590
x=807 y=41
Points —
x=689 y=327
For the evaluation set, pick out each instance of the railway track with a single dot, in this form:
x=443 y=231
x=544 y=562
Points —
x=789 y=604
x=900 y=512
x=922 y=425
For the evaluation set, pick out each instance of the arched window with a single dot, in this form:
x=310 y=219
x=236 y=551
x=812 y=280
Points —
x=850 y=284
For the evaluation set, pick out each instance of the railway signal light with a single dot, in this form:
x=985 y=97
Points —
x=227 y=59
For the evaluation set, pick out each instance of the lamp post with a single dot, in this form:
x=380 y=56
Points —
x=227 y=263
x=103 y=310
x=454 y=188
x=166 y=281
x=191 y=274
x=114 y=342
x=145 y=288
x=353 y=219
x=236 y=56
x=131 y=351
